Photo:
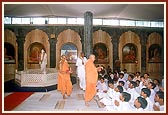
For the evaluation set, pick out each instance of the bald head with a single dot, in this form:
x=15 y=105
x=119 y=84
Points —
x=92 y=57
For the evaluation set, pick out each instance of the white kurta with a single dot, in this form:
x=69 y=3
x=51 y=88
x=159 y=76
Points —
x=123 y=106
x=109 y=101
x=156 y=89
x=152 y=96
x=134 y=95
x=160 y=106
x=106 y=95
x=101 y=87
x=149 y=106
x=81 y=72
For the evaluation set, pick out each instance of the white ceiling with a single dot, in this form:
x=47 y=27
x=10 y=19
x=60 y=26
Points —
x=110 y=10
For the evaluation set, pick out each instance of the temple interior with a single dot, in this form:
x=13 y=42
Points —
x=123 y=33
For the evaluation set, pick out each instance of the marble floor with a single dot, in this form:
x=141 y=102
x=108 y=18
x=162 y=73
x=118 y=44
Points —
x=52 y=101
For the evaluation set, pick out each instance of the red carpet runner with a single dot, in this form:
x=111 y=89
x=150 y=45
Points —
x=14 y=99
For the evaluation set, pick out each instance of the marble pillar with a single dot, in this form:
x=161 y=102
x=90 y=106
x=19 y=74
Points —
x=52 y=52
x=88 y=30
x=20 y=41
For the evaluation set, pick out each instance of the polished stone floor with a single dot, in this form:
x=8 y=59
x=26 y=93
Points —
x=52 y=101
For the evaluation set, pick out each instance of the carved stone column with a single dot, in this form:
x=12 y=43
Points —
x=88 y=30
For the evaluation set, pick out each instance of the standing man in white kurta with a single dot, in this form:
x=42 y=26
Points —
x=80 y=63
x=43 y=61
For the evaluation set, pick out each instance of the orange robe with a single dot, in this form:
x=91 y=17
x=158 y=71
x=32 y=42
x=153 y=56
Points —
x=64 y=81
x=91 y=80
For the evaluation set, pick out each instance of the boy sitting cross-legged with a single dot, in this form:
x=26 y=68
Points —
x=110 y=99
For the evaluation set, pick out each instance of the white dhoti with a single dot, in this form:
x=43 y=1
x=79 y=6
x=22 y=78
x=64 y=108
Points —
x=81 y=75
x=81 y=72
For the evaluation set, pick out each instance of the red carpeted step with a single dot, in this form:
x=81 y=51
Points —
x=14 y=99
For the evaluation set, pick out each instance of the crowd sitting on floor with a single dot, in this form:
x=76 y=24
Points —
x=122 y=91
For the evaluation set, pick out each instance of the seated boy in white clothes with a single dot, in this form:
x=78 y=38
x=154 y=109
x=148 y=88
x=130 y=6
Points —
x=137 y=76
x=130 y=78
x=131 y=90
x=113 y=96
x=121 y=77
x=98 y=81
x=142 y=82
x=140 y=104
x=101 y=87
x=157 y=83
x=122 y=83
x=159 y=101
x=115 y=80
x=151 y=86
x=122 y=104
x=145 y=93
x=109 y=93
x=138 y=89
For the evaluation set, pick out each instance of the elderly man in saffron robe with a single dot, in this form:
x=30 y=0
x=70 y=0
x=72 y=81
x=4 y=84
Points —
x=91 y=79
x=64 y=81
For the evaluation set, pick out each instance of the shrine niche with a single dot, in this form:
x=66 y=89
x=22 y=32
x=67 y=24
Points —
x=70 y=51
x=154 y=55
x=130 y=52
x=101 y=54
x=103 y=47
x=10 y=55
x=34 y=42
x=68 y=38
x=34 y=51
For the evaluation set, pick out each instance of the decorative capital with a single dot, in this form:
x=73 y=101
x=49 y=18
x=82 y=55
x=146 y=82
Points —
x=52 y=36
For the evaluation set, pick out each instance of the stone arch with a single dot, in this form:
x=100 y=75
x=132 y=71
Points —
x=125 y=38
x=38 y=36
x=154 y=69
x=67 y=36
x=9 y=69
x=101 y=36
